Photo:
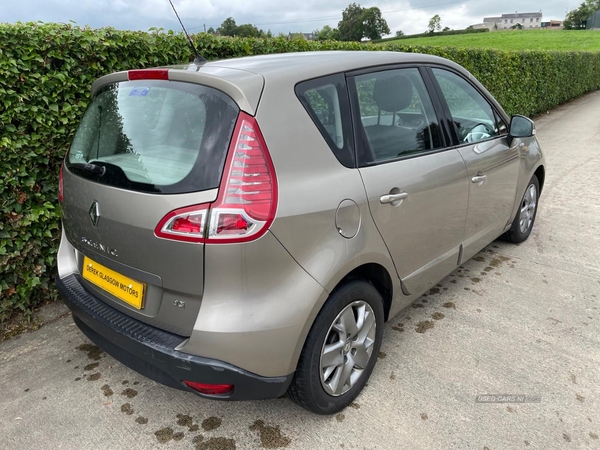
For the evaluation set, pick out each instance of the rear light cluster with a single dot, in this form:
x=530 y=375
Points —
x=247 y=201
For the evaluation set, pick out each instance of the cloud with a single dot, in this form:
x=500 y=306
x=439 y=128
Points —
x=410 y=16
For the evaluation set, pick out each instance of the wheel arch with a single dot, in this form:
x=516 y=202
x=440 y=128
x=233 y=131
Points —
x=383 y=279
x=379 y=277
x=540 y=173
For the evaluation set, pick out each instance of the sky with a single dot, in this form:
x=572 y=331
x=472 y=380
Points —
x=410 y=16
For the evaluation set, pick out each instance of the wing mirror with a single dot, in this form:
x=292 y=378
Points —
x=520 y=127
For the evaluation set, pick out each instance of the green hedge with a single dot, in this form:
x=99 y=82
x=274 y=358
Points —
x=436 y=34
x=45 y=75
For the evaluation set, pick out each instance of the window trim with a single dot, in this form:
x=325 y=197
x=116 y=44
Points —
x=359 y=136
x=456 y=144
x=345 y=110
x=444 y=119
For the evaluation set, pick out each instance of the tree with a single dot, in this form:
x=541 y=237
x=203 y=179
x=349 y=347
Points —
x=350 y=27
x=399 y=33
x=248 y=30
x=296 y=37
x=374 y=26
x=327 y=34
x=446 y=29
x=577 y=18
x=358 y=23
x=227 y=28
x=230 y=28
x=211 y=30
x=435 y=24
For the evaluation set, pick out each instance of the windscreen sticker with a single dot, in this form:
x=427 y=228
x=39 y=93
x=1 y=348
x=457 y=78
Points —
x=141 y=91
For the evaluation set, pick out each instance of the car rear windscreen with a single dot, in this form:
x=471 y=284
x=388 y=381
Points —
x=154 y=136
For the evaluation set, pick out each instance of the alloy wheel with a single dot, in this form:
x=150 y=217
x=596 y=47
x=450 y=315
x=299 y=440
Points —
x=528 y=206
x=348 y=348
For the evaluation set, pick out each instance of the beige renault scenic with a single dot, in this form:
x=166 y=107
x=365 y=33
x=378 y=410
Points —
x=242 y=229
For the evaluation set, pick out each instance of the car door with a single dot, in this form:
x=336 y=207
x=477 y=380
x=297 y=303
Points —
x=492 y=164
x=417 y=189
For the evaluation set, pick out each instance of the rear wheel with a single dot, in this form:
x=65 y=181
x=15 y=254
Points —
x=341 y=349
x=523 y=223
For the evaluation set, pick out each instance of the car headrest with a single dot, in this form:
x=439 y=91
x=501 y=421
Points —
x=393 y=94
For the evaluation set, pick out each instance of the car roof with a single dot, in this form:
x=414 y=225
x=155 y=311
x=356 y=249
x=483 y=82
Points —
x=305 y=65
x=244 y=79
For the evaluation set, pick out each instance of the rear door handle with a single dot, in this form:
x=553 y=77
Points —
x=391 y=198
x=478 y=179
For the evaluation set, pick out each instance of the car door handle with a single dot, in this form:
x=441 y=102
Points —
x=478 y=179
x=391 y=198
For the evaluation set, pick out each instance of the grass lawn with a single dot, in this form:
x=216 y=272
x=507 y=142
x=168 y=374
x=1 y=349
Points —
x=583 y=40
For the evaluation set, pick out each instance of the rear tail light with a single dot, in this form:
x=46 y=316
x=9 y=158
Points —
x=249 y=177
x=186 y=224
x=210 y=389
x=247 y=201
x=232 y=224
x=61 y=185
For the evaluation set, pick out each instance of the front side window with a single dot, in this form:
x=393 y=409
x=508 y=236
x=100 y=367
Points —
x=396 y=114
x=473 y=117
x=500 y=124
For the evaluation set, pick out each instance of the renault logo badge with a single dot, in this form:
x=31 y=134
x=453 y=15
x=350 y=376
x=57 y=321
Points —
x=95 y=213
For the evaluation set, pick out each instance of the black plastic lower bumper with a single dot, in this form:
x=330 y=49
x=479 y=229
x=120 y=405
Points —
x=151 y=351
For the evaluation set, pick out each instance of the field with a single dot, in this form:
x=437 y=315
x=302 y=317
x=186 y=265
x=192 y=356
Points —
x=516 y=40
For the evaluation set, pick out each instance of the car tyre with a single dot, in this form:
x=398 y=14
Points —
x=341 y=349
x=523 y=223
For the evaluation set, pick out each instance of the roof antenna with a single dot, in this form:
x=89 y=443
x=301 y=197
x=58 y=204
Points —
x=198 y=59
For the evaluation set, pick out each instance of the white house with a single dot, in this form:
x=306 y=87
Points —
x=510 y=21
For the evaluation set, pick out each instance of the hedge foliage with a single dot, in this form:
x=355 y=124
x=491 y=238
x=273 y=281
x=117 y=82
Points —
x=45 y=75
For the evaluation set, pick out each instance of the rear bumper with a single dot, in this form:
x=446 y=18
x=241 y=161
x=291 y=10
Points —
x=151 y=351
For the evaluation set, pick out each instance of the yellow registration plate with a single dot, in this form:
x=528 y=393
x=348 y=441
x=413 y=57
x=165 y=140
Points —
x=122 y=287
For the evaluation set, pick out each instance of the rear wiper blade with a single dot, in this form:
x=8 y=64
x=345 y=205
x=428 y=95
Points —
x=89 y=167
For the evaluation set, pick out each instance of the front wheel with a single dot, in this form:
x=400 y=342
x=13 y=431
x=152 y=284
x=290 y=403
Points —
x=341 y=349
x=523 y=223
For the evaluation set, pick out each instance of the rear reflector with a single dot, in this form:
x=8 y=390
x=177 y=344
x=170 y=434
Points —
x=61 y=185
x=210 y=389
x=148 y=74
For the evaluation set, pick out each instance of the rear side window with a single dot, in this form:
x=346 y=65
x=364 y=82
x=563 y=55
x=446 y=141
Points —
x=326 y=101
x=154 y=136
